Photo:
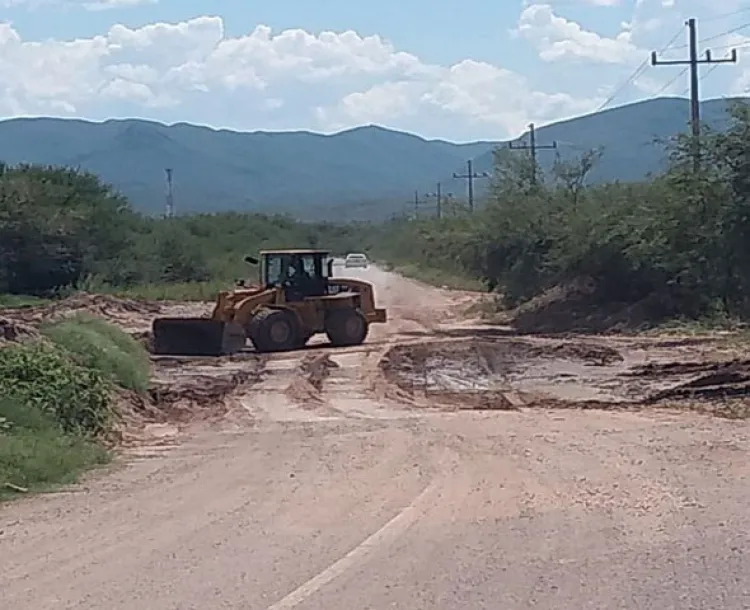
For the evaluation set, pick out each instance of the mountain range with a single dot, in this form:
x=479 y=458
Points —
x=367 y=172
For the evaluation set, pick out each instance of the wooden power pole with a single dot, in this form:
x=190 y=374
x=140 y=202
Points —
x=415 y=202
x=533 y=147
x=438 y=195
x=470 y=176
x=693 y=62
x=169 y=203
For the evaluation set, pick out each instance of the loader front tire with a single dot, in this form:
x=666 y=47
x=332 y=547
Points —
x=274 y=330
x=346 y=327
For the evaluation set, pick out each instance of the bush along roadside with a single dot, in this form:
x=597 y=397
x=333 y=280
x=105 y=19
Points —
x=57 y=401
x=98 y=345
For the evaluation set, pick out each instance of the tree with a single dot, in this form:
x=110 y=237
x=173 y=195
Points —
x=57 y=225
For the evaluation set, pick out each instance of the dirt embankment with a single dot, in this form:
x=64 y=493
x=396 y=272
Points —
x=132 y=315
x=580 y=307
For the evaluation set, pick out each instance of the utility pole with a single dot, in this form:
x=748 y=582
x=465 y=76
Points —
x=533 y=147
x=438 y=194
x=415 y=202
x=169 y=211
x=694 y=62
x=470 y=175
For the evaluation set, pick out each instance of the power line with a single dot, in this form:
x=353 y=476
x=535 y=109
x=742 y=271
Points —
x=724 y=47
x=533 y=147
x=733 y=30
x=470 y=176
x=708 y=73
x=638 y=71
x=739 y=11
x=693 y=63
x=670 y=46
x=671 y=82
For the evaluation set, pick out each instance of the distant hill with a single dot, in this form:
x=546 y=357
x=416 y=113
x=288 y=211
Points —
x=628 y=137
x=214 y=170
x=366 y=172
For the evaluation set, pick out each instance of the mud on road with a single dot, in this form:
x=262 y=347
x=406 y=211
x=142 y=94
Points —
x=608 y=373
x=443 y=464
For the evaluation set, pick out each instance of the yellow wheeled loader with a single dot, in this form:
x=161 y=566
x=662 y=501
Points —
x=296 y=298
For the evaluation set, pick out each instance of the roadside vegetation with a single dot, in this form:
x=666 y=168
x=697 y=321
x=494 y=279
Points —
x=62 y=230
x=674 y=248
x=57 y=401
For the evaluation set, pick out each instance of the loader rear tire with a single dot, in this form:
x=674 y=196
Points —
x=274 y=330
x=346 y=327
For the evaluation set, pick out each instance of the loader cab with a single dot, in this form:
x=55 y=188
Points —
x=301 y=273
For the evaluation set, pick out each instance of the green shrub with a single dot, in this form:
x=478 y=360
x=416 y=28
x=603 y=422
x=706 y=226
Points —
x=42 y=377
x=35 y=453
x=184 y=291
x=98 y=345
x=14 y=301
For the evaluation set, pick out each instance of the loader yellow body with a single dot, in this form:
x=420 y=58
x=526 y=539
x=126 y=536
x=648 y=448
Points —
x=296 y=297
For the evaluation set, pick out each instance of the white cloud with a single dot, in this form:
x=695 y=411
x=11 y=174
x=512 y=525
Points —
x=558 y=38
x=193 y=71
x=655 y=25
x=475 y=92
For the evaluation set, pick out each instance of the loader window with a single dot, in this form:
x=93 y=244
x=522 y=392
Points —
x=297 y=270
x=275 y=268
x=308 y=264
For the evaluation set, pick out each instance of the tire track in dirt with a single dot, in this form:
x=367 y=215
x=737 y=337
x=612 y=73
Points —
x=325 y=384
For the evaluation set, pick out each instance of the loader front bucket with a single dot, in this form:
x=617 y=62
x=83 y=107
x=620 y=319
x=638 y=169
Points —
x=196 y=337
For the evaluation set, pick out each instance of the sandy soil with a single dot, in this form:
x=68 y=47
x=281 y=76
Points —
x=441 y=465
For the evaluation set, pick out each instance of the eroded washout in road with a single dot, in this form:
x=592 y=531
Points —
x=503 y=372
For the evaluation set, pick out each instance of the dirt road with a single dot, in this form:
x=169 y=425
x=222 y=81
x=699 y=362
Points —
x=369 y=478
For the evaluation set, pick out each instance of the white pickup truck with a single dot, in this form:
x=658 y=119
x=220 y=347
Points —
x=355 y=259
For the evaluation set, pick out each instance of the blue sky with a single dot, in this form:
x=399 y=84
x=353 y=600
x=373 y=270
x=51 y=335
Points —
x=458 y=70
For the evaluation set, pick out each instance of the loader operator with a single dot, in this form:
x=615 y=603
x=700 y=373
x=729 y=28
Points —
x=299 y=282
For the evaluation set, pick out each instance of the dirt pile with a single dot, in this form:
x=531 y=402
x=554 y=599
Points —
x=577 y=307
x=126 y=313
x=721 y=380
x=145 y=338
x=15 y=331
x=185 y=390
